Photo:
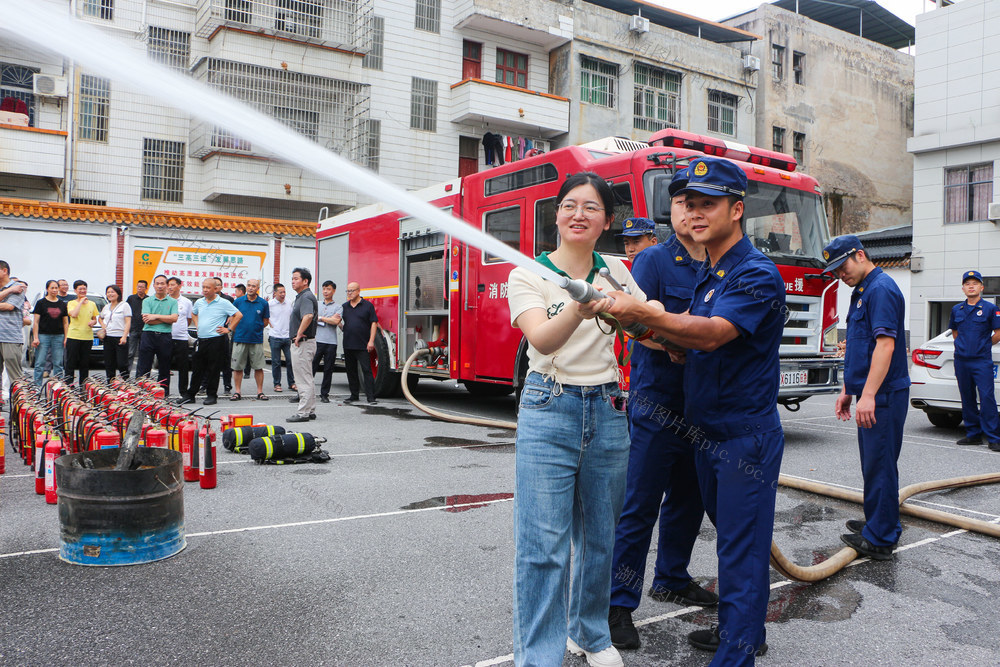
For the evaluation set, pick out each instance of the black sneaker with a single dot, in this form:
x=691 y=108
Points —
x=690 y=595
x=324 y=399
x=623 y=632
x=210 y=400
x=350 y=399
x=866 y=548
x=373 y=402
x=185 y=400
x=297 y=418
x=708 y=640
x=969 y=441
x=995 y=446
x=293 y=399
x=855 y=525
x=312 y=416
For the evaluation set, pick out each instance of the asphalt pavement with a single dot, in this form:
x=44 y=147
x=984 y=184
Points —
x=399 y=551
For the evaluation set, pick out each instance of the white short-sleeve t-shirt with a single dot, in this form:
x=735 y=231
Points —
x=588 y=357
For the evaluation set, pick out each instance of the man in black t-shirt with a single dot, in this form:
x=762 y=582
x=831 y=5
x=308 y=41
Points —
x=134 y=302
x=360 y=327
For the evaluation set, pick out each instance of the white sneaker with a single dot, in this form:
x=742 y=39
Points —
x=609 y=657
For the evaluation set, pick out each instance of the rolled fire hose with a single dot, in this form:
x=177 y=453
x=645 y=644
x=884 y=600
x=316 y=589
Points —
x=779 y=561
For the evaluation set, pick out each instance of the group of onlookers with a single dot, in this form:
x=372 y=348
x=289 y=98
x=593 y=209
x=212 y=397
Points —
x=147 y=327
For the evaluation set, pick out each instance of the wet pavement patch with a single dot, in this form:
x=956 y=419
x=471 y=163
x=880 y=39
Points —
x=500 y=434
x=396 y=413
x=458 y=503
x=446 y=441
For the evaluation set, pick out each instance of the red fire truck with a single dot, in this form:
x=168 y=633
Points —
x=433 y=290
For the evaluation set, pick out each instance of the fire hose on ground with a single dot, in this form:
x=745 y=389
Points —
x=779 y=561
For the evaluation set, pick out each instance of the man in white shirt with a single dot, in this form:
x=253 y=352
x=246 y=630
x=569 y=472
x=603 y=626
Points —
x=180 y=358
x=281 y=311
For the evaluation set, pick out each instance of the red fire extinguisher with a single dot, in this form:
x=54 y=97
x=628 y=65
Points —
x=106 y=440
x=156 y=437
x=39 y=461
x=206 y=458
x=3 y=446
x=189 y=433
x=53 y=449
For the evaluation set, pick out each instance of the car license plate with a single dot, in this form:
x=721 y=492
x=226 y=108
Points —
x=792 y=378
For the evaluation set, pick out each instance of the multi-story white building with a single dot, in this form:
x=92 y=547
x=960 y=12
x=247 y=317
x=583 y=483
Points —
x=956 y=150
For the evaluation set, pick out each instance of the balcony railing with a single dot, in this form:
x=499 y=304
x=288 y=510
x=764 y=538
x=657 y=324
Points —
x=512 y=108
x=30 y=151
x=341 y=24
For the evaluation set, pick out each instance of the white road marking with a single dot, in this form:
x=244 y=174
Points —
x=296 y=524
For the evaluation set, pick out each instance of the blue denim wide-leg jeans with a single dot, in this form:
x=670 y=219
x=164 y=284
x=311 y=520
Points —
x=570 y=466
x=49 y=345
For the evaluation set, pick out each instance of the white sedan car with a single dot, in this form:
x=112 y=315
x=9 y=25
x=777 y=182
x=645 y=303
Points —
x=934 y=388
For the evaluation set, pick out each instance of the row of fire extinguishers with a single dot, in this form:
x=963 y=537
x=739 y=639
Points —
x=57 y=419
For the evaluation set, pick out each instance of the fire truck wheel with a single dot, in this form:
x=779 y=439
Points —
x=386 y=378
x=487 y=389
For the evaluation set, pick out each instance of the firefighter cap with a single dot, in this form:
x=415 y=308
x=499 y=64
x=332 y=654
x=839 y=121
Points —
x=839 y=249
x=716 y=177
x=637 y=227
x=972 y=274
x=679 y=182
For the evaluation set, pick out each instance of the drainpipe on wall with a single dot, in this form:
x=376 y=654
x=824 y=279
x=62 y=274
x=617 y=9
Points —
x=70 y=153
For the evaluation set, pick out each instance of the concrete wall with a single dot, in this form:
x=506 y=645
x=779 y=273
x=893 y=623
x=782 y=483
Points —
x=855 y=108
x=603 y=34
x=956 y=123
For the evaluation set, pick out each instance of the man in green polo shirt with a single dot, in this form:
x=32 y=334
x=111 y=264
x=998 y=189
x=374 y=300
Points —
x=159 y=312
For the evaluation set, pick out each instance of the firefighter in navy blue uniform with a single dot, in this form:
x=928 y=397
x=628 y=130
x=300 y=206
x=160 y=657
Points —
x=875 y=372
x=975 y=325
x=732 y=333
x=661 y=475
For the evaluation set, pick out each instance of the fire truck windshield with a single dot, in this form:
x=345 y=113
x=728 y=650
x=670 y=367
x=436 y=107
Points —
x=786 y=224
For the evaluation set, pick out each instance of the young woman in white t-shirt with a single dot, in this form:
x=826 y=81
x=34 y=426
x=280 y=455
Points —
x=572 y=442
x=116 y=320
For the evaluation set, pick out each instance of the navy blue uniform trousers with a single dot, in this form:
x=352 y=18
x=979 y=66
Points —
x=662 y=482
x=976 y=375
x=879 y=447
x=741 y=475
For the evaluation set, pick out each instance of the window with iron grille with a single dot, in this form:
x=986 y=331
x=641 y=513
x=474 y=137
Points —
x=329 y=111
x=512 y=68
x=778 y=138
x=799 y=147
x=598 y=80
x=373 y=59
x=423 y=104
x=777 y=62
x=299 y=17
x=163 y=170
x=968 y=191
x=799 y=67
x=722 y=112
x=428 y=15
x=657 y=95
x=373 y=144
x=101 y=9
x=170 y=47
x=94 y=102
x=239 y=11
x=16 y=81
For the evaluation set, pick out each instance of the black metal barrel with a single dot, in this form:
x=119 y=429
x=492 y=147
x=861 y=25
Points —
x=120 y=517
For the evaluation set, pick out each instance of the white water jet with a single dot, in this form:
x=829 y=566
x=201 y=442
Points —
x=85 y=44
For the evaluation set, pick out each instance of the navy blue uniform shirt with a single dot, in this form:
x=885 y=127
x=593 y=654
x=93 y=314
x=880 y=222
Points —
x=876 y=310
x=733 y=391
x=975 y=325
x=666 y=273
x=250 y=328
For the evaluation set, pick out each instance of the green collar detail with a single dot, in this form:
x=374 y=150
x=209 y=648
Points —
x=599 y=264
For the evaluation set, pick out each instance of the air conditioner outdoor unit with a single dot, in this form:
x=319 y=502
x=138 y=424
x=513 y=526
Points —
x=993 y=212
x=540 y=145
x=47 y=85
x=751 y=63
x=639 y=24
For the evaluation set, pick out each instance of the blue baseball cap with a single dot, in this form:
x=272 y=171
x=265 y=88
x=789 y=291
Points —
x=679 y=182
x=972 y=274
x=637 y=227
x=716 y=177
x=839 y=249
